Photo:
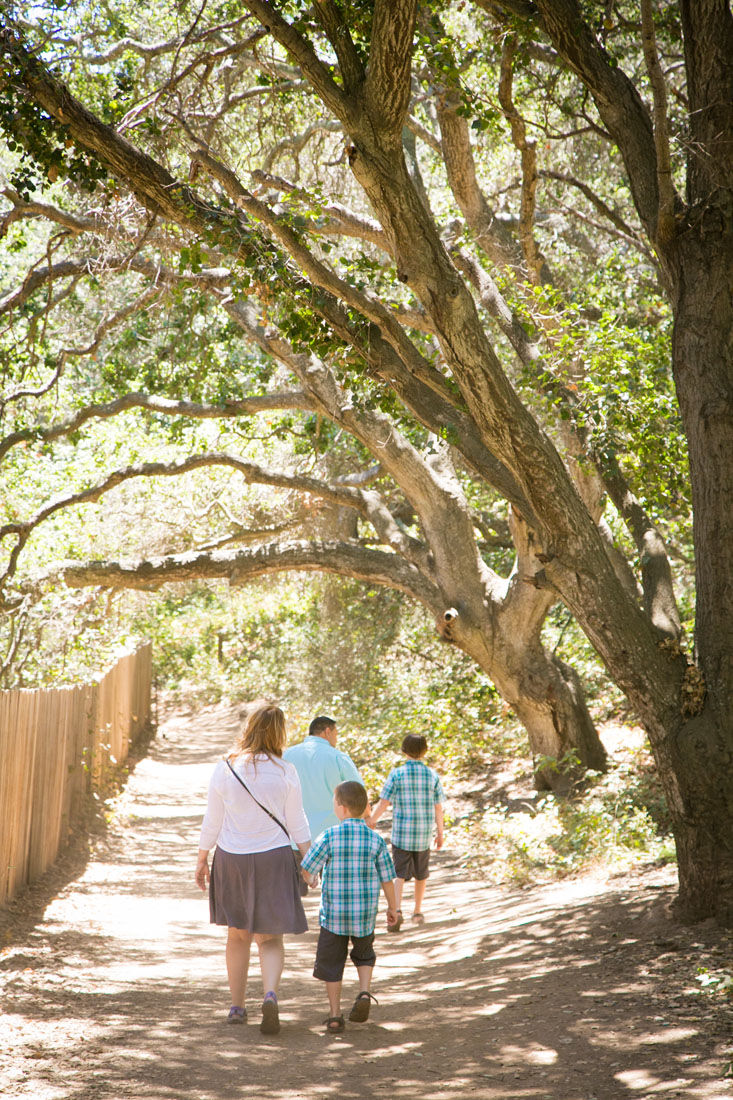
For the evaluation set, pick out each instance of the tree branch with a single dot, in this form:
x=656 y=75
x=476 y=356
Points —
x=306 y=57
x=603 y=208
x=341 y=558
x=387 y=84
x=457 y=154
x=707 y=30
x=39 y=276
x=72 y=222
x=333 y=23
x=154 y=186
x=105 y=326
x=366 y=302
x=338 y=222
x=298 y=142
x=154 y=49
x=665 y=229
x=342 y=495
x=528 y=153
x=617 y=100
x=247 y=406
x=656 y=575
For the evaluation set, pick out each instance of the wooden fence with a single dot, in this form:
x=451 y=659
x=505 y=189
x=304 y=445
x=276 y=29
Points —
x=57 y=747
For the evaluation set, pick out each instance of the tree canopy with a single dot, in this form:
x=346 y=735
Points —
x=427 y=271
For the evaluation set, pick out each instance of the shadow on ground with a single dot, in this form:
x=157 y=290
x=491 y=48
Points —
x=582 y=991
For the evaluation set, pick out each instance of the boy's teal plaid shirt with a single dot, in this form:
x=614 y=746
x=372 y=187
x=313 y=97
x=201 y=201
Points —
x=413 y=789
x=355 y=862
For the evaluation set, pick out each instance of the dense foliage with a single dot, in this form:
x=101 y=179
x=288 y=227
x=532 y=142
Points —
x=385 y=290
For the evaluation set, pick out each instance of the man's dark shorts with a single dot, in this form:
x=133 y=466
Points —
x=409 y=865
x=332 y=950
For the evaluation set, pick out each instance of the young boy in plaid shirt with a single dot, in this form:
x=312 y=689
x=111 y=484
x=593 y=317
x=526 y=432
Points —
x=355 y=862
x=416 y=794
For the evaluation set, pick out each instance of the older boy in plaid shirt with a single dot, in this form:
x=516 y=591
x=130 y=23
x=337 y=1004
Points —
x=355 y=862
x=416 y=794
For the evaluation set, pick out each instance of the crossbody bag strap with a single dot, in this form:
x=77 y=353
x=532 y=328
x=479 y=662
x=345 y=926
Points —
x=268 y=812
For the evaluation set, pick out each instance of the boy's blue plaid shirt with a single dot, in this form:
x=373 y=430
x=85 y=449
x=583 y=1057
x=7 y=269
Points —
x=413 y=789
x=355 y=861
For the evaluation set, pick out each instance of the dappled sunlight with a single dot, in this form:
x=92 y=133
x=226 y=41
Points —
x=543 y=994
x=538 y=1056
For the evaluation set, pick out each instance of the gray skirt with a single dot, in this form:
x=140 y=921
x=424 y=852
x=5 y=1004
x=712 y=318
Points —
x=256 y=891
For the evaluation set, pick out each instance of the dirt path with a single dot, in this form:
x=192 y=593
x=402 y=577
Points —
x=583 y=991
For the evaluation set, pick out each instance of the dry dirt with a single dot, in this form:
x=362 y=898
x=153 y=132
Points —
x=580 y=991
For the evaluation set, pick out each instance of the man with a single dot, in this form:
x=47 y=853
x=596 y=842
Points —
x=321 y=767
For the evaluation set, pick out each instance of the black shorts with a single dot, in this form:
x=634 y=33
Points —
x=409 y=865
x=332 y=950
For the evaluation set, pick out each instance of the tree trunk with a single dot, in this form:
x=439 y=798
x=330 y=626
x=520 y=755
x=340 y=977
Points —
x=701 y=752
x=562 y=737
x=703 y=366
x=547 y=697
x=695 y=767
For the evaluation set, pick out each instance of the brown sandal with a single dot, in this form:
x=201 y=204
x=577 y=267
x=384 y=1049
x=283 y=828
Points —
x=360 y=1012
x=335 y=1025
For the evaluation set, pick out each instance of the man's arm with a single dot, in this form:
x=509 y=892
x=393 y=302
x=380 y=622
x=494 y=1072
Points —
x=377 y=812
x=348 y=771
x=314 y=859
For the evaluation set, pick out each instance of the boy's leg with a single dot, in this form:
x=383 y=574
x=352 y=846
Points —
x=421 y=862
x=329 y=968
x=333 y=991
x=403 y=873
x=365 y=978
x=363 y=958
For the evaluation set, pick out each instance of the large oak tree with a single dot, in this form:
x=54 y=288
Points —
x=442 y=354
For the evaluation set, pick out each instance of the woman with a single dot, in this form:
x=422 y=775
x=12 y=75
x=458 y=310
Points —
x=253 y=886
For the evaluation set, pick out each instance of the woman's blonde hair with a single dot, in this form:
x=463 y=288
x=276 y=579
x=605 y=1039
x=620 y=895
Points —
x=263 y=730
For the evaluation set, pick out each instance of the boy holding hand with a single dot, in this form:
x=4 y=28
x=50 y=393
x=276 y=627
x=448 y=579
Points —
x=416 y=795
x=355 y=862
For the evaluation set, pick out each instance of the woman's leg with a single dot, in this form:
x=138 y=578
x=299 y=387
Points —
x=239 y=942
x=272 y=958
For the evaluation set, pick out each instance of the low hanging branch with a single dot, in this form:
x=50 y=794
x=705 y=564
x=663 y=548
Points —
x=367 y=502
x=342 y=558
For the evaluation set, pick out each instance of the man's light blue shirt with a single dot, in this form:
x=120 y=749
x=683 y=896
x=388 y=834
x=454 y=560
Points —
x=320 y=768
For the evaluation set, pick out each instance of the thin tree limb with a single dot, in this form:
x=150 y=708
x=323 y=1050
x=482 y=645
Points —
x=527 y=148
x=666 y=225
x=247 y=406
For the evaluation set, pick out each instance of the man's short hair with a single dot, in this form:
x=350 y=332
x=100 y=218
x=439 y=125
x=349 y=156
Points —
x=415 y=745
x=320 y=724
x=352 y=796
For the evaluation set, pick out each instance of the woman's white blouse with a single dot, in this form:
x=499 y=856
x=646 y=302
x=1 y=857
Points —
x=233 y=820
